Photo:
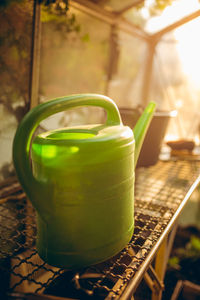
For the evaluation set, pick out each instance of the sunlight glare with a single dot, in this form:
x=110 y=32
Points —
x=172 y=13
x=188 y=48
x=186 y=36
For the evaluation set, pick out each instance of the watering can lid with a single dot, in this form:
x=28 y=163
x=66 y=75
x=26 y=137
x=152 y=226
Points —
x=86 y=134
x=88 y=142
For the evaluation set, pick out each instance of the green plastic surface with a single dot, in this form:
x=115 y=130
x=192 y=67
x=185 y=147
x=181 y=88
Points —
x=81 y=182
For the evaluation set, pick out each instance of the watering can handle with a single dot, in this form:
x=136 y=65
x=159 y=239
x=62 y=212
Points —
x=24 y=133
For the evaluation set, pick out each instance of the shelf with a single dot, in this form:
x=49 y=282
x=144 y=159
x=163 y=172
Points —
x=161 y=191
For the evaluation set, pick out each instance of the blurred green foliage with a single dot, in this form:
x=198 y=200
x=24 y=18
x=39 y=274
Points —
x=162 y=4
x=57 y=12
x=190 y=251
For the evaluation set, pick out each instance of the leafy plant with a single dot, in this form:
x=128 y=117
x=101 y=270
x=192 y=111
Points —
x=57 y=11
x=162 y=4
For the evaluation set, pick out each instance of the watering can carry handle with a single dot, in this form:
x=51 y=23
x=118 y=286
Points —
x=24 y=133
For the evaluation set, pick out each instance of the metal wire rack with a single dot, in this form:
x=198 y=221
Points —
x=160 y=193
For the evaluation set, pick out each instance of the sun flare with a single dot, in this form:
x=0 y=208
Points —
x=188 y=48
x=186 y=36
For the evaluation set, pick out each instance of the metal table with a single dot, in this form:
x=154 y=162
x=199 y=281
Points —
x=161 y=191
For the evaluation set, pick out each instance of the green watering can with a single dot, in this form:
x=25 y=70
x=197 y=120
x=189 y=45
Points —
x=81 y=182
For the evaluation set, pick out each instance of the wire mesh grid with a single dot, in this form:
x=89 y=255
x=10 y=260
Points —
x=159 y=190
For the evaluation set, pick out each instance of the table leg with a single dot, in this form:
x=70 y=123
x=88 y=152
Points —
x=155 y=275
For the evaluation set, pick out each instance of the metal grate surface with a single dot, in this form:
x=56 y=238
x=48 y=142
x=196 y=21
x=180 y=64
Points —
x=160 y=192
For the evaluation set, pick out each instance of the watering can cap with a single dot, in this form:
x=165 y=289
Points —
x=99 y=140
x=85 y=135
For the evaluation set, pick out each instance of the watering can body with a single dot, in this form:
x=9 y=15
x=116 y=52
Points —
x=81 y=182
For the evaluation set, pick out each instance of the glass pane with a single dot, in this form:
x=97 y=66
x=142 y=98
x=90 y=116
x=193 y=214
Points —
x=153 y=16
x=15 y=49
x=73 y=61
x=176 y=79
x=118 y=5
x=125 y=85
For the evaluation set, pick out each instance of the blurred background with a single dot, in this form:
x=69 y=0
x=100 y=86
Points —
x=133 y=51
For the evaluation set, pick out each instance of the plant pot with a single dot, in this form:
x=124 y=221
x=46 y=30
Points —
x=151 y=147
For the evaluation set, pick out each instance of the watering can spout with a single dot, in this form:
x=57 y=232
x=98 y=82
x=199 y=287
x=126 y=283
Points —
x=142 y=126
